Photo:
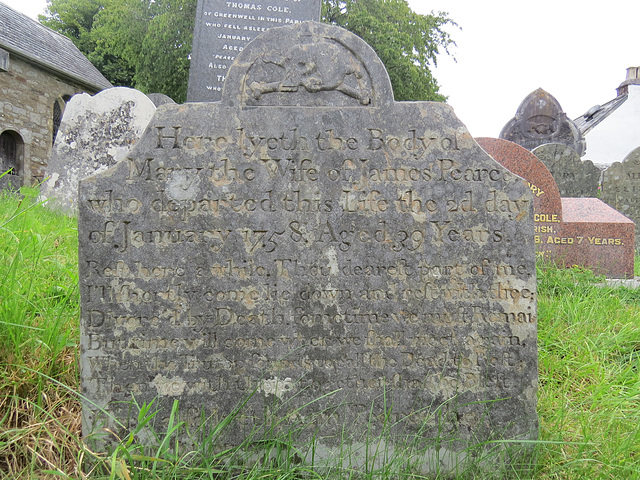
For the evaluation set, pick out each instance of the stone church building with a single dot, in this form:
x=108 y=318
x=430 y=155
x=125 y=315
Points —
x=40 y=70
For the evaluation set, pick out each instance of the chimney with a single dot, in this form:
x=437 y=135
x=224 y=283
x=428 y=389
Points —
x=633 y=78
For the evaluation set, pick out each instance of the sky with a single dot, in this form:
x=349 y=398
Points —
x=576 y=50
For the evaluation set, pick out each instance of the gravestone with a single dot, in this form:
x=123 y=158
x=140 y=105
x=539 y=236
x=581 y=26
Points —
x=603 y=238
x=223 y=29
x=621 y=188
x=569 y=231
x=159 y=99
x=354 y=265
x=574 y=177
x=96 y=133
x=539 y=120
x=547 y=205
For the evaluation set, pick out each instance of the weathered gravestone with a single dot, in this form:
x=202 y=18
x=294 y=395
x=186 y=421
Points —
x=224 y=28
x=574 y=177
x=96 y=133
x=539 y=120
x=159 y=99
x=621 y=188
x=352 y=261
x=569 y=231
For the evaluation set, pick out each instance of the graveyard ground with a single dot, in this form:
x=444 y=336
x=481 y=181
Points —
x=589 y=367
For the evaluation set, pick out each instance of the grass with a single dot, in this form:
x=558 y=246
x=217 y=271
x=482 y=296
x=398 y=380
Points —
x=39 y=311
x=589 y=367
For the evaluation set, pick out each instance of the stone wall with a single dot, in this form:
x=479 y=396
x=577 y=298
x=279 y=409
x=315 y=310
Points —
x=27 y=97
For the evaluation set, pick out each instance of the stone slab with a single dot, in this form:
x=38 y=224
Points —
x=569 y=231
x=621 y=188
x=348 y=264
x=621 y=282
x=574 y=177
x=223 y=29
x=599 y=237
x=96 y=133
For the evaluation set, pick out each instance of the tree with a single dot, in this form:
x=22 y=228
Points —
x=143 y=44
x=76 y=19
x=406 y=42
x=164 y=62
x=146 y=44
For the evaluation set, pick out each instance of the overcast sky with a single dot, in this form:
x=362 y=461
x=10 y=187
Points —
x=576 y=50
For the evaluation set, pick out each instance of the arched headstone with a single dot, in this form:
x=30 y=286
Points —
x=355 y=266
x=95 y=134
x=574 y=177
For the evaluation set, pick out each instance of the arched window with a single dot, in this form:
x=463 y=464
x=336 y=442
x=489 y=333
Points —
x=57 y=118
x=11 y=152
x=58 y=111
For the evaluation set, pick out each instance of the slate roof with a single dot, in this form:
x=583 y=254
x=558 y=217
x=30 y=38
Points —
x=597 y=114
x=25 y=37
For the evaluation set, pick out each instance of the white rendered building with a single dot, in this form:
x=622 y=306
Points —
x=612 y=130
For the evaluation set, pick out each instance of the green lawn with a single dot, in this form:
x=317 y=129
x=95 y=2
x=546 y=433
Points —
x=589 y=366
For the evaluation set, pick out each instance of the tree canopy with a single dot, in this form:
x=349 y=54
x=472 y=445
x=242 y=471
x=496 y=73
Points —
x=143 y=44
x=146 y=44
x=406 y=42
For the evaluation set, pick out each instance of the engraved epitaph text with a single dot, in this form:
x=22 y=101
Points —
x=223 y=29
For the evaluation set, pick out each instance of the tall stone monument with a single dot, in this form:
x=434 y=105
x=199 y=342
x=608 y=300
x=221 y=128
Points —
x=539 y=120
x=224 y=28
x=347 y=264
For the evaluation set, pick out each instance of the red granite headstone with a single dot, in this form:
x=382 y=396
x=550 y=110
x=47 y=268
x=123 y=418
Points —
x=569 y=231
x=547 y=205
